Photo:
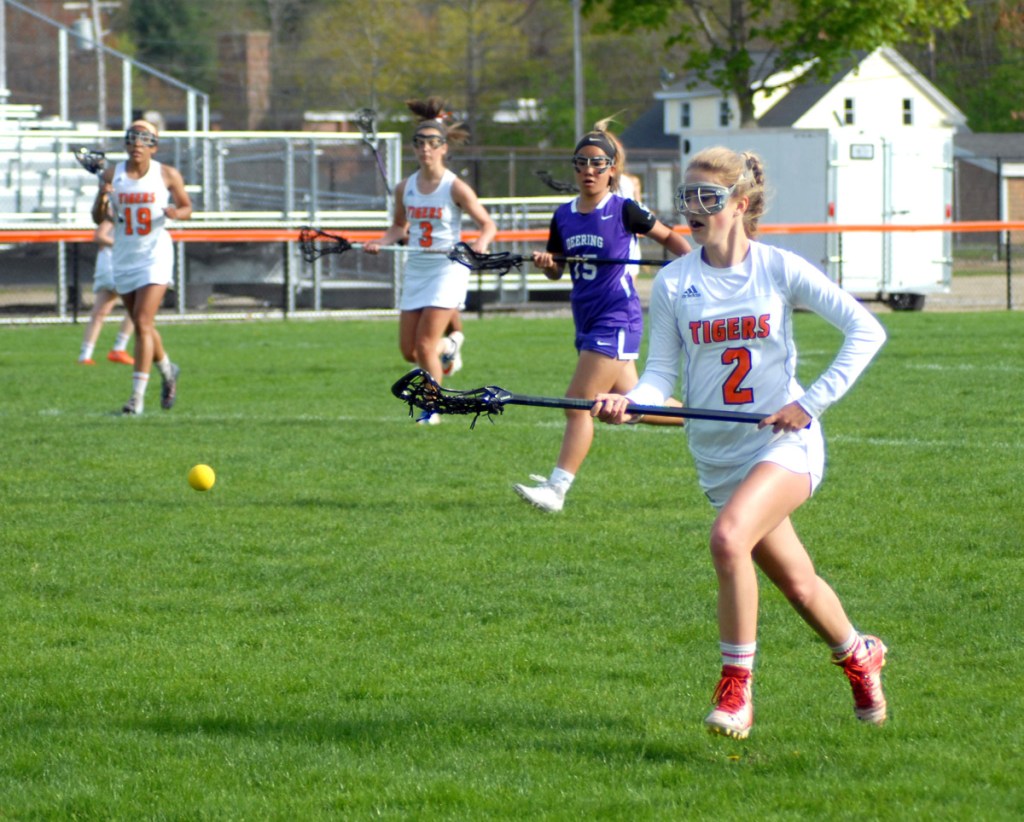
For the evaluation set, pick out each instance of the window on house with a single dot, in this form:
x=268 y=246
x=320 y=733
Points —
x=908 y=111
x=684 y=115
x=724 y=114
x=848 y=117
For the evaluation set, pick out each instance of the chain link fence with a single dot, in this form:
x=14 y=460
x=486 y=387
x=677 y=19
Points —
x=284 y=180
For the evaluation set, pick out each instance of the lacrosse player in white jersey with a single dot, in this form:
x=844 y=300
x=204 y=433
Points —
x=145 y=194
x=105 y=297
x=724 y=318
x=429 y=205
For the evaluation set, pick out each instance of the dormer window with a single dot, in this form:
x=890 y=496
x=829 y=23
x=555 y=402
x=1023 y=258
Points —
x=908 y=111
x=848 y=117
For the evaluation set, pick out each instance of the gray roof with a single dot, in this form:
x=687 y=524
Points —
x=799 y=100
x=1007 y=146
x=646 y=131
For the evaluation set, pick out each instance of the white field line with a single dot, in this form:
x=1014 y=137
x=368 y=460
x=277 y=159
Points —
x=1000 y=368
x=555 y=421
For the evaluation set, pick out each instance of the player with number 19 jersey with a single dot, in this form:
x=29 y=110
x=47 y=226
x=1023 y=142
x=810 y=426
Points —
x=603 y=296
x=143 y=253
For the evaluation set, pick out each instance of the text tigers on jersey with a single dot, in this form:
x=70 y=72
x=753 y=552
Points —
x=425 y=212
x=134 y=197
x=727 y=329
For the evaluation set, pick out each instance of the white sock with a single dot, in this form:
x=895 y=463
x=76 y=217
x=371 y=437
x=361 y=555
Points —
x=165 y=367
x=86 y=353
x=848 y=646
x=561 y=478
x=457 y=338
x=139 y=382
x=739 y=656
x=121 y=343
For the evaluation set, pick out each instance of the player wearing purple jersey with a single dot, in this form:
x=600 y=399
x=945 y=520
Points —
x=605 y=305
x=724 y=317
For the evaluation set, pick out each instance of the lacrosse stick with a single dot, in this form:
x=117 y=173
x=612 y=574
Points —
x=367 y=120
x=504 y=261
x=556 y=185
x=95 y=161
x=420 y=390
x=316 y=243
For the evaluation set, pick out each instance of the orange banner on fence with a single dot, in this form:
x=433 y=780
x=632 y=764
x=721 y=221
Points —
x=197 y=234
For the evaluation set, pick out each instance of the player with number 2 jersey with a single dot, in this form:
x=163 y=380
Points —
x=724 y=317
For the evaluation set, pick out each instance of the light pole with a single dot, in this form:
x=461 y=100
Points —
x=4 y=91
x=94 y=39
x=577 y=65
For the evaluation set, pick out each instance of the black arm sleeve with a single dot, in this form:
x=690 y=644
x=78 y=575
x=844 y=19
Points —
x=636 y=219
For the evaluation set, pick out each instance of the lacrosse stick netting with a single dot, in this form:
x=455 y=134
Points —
x=95 y=162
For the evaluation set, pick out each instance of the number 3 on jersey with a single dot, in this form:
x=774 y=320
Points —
x=732 y=392
x=138 y=220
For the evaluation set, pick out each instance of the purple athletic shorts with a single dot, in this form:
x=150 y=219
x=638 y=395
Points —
x=617 y=343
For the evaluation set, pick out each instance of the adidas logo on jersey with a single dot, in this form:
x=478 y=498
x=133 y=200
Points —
x=691 y=293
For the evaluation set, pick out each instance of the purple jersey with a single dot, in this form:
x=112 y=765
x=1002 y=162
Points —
x=603 y=296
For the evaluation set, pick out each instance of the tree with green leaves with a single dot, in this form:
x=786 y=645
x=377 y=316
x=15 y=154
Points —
x=980 y=64
x=737 y=45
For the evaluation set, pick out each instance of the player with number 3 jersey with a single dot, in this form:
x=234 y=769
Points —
x=429 y=205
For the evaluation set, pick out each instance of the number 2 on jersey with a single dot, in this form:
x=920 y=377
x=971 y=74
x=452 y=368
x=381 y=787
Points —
x=732 y=392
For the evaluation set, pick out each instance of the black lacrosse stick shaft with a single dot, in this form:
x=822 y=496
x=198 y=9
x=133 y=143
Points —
x=577 y=404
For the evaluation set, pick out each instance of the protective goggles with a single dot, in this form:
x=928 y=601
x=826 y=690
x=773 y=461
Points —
x=140 y=137
x=600 y=164
x=433 y=142
x=702 y=198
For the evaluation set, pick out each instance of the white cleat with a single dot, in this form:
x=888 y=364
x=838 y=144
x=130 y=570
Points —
x=451 y=359
x=546 y=496
x=428 y=418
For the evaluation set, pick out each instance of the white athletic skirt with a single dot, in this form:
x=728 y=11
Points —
x=802 y=452
x=161 y=272
x=103 y=276
x=439 y=287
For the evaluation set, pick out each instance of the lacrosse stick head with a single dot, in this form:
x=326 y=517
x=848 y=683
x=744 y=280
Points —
x=92 y=160
x=315 y=243
x=420 y=390
x=367 y=122
x=501 y=262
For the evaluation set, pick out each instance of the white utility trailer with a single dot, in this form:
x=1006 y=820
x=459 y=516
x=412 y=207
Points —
x=849 y=177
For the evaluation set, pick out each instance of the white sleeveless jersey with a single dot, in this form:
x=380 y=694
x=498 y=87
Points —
x=730 y=334
x=435 y=222
x=143 y=252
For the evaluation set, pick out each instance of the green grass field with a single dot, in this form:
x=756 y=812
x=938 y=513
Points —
x=362 y=620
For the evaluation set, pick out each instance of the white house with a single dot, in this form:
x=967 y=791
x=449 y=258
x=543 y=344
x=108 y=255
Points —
x=879 y=93
x=872 y=145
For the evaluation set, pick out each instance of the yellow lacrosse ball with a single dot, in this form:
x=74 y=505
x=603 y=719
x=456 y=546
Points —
x=201 y=477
